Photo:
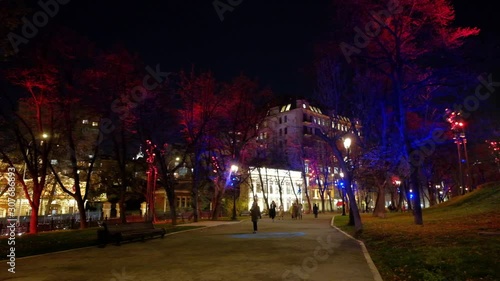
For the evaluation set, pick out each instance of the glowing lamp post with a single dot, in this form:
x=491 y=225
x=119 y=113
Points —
x=235 y=185
x=342 y=189
x=347 y=145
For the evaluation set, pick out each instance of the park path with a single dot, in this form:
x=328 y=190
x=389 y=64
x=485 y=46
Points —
x=307 y=249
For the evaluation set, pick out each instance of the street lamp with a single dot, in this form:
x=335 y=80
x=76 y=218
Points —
x=347 y=145
x=235 y=181
x=342 y=188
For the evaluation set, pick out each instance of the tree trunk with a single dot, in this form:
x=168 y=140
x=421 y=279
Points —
x=379 y=210
x=121 y=203
x=354 y=215
x=83 y=215
x=432 y=194
x=306 y=191
x=217 y=201
x=50 y=199
x=417 y=209
x=35 y=205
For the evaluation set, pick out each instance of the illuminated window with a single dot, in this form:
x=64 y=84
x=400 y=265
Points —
x=85 y=121
x=95 y=124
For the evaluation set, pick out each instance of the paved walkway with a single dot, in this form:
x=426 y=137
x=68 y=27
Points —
x=308 y=249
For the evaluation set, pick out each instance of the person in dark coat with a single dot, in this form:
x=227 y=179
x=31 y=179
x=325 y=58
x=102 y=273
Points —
x=272 y=210
x=255 y=213
x=315 y=210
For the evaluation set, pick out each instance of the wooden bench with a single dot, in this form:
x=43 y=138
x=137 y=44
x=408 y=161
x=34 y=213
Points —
x=127 y=232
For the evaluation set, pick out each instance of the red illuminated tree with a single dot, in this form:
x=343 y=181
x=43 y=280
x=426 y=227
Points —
x=202 y=106
x=72 y=54
x=31 y=128
x=246 y=107
x=218 y=122
x=119 y=93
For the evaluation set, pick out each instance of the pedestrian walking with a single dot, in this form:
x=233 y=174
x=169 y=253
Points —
x=255 y=213
x=295 y=211
x=315 y=210
x=272 y=210
x=281 y=214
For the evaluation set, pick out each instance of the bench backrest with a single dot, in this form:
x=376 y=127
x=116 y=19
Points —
x=128 y=226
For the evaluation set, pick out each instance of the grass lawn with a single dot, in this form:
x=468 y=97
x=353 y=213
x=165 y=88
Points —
x=449 y=246
x=53 y=241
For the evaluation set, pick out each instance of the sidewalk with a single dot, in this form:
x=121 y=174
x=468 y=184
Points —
x=308 y=249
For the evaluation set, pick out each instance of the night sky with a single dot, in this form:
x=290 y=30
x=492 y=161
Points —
x=269 y=40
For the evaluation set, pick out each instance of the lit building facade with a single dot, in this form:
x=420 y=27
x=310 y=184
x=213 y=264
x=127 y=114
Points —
x=284 y=187
x=290 y=134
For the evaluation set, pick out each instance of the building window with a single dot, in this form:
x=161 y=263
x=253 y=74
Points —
x=286 y=131
x=286 y=118
x=281 y=132
x=85 y=121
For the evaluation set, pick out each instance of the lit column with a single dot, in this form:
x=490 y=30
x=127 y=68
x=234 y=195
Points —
x=342 y=188
x=151 y=183
x=235 y=185
x=347 y=146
